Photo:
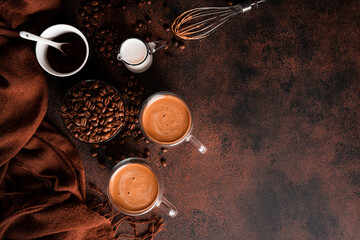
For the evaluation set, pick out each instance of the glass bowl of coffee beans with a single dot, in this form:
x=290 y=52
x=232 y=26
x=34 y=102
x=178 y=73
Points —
x=93 y=111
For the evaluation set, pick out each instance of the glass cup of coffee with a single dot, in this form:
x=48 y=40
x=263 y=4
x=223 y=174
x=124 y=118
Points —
x=136 y=187
x=165 y=119
x=138 y=55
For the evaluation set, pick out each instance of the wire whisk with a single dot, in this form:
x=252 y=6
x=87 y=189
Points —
x=199 y=23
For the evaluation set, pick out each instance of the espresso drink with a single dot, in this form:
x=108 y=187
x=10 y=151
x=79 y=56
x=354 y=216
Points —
x=166 y=119
x=134 y=187
x=75 y=53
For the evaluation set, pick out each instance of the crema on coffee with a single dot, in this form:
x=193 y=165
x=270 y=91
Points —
x=134 y=188
x=166 y=119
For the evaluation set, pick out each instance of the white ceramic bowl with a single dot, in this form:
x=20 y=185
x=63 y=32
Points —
x=51 y=33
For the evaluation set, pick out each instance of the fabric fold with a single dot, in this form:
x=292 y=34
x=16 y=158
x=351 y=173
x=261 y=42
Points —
x=42 y=181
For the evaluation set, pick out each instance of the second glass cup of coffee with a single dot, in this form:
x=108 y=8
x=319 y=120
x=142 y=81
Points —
x=138 y=55
x=136 y=187
x=165 y=119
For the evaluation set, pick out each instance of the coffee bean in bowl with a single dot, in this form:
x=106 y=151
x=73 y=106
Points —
x=93 y=111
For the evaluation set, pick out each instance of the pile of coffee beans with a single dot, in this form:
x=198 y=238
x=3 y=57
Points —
x=93 y=111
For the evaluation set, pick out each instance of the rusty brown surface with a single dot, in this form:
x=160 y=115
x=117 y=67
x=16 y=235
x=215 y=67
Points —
x=275 y=98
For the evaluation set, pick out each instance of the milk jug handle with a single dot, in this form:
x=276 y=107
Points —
x=154 y=46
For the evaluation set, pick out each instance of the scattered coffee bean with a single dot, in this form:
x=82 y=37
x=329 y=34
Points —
x=148 y=19
x=136 y=28
x=109 y=157
x=164 y=150
x=175 y=42
x=181 y=46
x=166 y=27
x=148 y=2
x=163 y=162
x=89 y=111
x=141 y=3
x=93 y=152
x=147 y=152
x=102 y=165
x=139 y=23
x=230 y=3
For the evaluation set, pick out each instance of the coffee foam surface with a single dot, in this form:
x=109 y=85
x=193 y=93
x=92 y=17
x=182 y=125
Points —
x=166 y=119
x=134 y=187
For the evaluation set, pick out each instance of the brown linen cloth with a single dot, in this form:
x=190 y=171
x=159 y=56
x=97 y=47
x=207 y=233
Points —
x=42 y=183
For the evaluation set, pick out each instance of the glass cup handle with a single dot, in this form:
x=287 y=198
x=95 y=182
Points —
x=167 y=207
x=154 y=46
x=196 y=143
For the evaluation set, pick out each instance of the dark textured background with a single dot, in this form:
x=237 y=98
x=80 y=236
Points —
x=275 y=98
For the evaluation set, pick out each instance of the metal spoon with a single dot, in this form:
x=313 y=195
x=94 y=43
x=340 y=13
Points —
x=33 y=37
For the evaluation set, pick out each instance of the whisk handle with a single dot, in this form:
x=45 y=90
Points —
x=247 y=5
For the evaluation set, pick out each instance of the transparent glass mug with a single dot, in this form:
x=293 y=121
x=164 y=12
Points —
x=138 y=55
x=159 y=202
x=187 y=137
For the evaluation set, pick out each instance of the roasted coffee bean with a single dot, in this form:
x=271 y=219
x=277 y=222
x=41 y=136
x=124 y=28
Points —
x=163 y=162
x=148 y=19
x=94 y=154
x=63 y=108
x=181 y=46
x=147 y=152
x=164 y=150
x=147 y=37
x=141 y=3
x=132 y=126
x=139 y=23
x=102 y=165
x=166 y=27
